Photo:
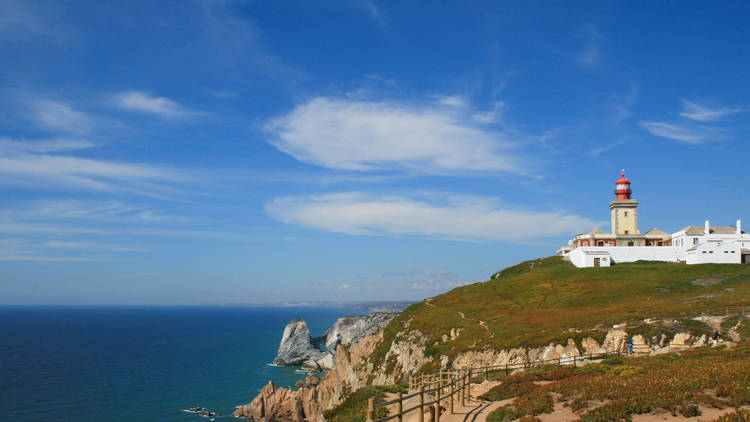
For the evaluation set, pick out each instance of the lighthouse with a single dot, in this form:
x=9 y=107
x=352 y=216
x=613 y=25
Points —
x=622 y=188
x=624 y=209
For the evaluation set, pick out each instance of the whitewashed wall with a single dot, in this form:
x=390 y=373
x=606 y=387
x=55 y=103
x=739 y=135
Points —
x=619 y=254
x=715 y=253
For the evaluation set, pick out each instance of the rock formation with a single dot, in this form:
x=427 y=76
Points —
x=296 y=346
x=349 y=373
x=349 y=330
x=406 y=354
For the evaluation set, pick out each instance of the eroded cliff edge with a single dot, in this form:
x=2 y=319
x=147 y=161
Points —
x=538 y=310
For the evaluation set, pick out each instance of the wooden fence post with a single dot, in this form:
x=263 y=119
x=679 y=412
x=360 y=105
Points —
x=371 y=409
x=468 y=387
x=453 y=391
x=400 y=407
x=437 y=411
x=432 y=413
x=438 y=398
x=421 y=403
x=463 y=389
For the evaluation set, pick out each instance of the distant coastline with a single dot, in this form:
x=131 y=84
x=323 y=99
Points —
x=383 y=306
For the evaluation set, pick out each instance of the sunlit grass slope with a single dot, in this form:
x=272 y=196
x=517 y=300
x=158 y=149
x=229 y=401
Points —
x=549 y=299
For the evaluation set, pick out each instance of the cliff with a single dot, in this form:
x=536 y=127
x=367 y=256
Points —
x=538 y=310
x=298 y=348
x=296 y=345
x=349 y=373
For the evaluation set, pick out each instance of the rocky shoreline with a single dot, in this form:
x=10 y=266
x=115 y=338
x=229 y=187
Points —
x=353 y=370
x=298 y=348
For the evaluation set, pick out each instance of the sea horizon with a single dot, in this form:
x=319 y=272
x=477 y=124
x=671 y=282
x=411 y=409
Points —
x=144 y=363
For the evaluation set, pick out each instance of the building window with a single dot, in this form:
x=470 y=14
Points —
x=704 y=251
x=600 y=243
x=626 y=213
x=626 y=232
x=585 y=243
x=610 y=244
x=695 y=241
x=648 y=243
x=710 y=251
x=660 y=244
x=630 y=243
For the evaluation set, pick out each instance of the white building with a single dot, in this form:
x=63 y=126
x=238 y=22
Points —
x=691 y=245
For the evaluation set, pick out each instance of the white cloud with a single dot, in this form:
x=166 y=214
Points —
x=701 y=113
x=685 y=132
x=145 y=103
x=351 y=134
x=84 y=173
x=374 y=11
x=59 y=116
x=590 y=55
x=9 y=145
x=467 y=218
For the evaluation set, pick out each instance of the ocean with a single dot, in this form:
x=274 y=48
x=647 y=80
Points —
x=142 y=363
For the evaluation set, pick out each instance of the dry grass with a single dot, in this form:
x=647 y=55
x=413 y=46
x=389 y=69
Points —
x=531 y=307
x=677 y=384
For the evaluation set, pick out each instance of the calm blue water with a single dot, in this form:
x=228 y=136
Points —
x=140 y=364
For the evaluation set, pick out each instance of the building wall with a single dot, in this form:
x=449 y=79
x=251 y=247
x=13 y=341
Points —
x=715 y=253
x=625 y=219
x=583 y=260
x=619 y=254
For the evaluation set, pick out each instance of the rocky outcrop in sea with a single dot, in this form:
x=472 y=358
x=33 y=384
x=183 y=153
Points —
x=297 y=347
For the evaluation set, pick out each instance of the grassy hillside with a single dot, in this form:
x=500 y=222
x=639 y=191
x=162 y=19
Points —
x=549 y=299
x=619 y=388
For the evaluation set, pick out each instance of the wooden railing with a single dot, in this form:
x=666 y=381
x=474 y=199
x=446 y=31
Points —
x=457 y=382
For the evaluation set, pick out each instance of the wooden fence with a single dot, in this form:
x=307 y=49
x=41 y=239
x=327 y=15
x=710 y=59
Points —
x=447 y=384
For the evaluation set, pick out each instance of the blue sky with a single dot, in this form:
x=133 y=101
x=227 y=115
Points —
x=211 y=152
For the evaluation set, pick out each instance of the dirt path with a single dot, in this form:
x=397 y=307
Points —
x=479 y=321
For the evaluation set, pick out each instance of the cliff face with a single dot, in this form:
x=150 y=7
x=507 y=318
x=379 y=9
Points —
x=298 y=348
x=352 y=369
x=350 y=330
x=349 y=373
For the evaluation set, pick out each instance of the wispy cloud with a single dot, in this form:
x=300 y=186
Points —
x=374 y=12
x=86 y=174
x=606 y=147
x=623 y=106
x=35 y=163
x=10 y=145
x=353 y=134
x=145 y=103
x=685 y=132
x=468 y=218
x=590 y=54
x=58 y=116
x=702 y=113
x=23 y=20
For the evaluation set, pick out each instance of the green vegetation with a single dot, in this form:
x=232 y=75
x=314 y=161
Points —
x=354 y=408
x=618 y=388
x=544 y=300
